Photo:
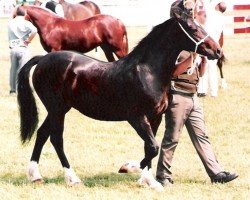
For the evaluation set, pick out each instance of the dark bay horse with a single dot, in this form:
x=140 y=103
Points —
x=134 y=88
x=75 y=11
x=57 y=33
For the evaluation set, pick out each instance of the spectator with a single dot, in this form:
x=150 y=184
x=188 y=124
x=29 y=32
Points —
x=53 y=5
x=20 y=34
x=214 y=27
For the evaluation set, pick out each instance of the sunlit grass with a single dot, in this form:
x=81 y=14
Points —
x=97 y=149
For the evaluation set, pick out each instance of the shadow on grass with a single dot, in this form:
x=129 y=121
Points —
x=109 y=179
x=100 y=180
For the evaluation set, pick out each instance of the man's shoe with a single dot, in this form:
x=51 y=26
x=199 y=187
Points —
x=201 y=94
x=165 y=182
x=223 y=177
x=13 y=93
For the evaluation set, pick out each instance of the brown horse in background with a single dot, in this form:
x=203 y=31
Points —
x=76 y=11
x=57 y=33
x=92 y=6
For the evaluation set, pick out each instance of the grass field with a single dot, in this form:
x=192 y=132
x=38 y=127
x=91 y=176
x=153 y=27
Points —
x=97 y=149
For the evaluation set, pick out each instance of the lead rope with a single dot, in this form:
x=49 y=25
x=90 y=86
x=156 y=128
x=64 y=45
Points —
x=191 y=70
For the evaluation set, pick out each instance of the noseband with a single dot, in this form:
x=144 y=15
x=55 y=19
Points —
x=197 y=43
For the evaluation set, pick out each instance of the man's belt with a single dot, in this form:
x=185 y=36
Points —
x=182 y=93
x=16 y=43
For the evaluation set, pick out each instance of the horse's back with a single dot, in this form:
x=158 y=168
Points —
x=76 y=11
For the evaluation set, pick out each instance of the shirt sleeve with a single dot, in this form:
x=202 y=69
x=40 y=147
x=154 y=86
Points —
x=59 y=10
x=30 y=27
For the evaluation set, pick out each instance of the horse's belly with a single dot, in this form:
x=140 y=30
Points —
x=101 y=110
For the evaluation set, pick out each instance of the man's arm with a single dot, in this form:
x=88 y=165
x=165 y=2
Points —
x=33 y=31
x=182 y=66
x=202 y=66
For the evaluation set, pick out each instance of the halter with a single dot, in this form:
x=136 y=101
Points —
x=191 y=70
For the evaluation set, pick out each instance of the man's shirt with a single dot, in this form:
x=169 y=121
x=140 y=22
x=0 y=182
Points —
x=19 y=30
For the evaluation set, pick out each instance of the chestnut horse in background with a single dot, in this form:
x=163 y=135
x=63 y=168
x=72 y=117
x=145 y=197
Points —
x=92 y=6
x=79 y=11
x=57 y=33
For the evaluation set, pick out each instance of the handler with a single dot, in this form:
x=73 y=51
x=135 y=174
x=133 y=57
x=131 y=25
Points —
x=184 y=109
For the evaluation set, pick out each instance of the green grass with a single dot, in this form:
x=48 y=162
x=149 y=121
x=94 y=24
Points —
x=97 y=149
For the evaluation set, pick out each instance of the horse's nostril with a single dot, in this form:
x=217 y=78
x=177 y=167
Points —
x=218 y=52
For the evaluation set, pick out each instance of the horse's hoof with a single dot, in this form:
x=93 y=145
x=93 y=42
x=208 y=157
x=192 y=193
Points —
x=130 y=167
x=38 y=181
x=123 y=169
x=158 y=188
x=72 y=184
x=70 y=177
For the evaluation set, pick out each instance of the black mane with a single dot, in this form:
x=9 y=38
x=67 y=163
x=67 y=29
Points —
x=151 y=44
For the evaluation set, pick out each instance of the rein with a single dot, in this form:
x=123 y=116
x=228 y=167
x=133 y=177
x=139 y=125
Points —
x=197 y=43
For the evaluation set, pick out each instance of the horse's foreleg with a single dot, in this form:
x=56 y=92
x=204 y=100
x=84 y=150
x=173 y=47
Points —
x=223 y=80
x=155 y=123
x=108 y=52
x=144 y=130
x=147 y=132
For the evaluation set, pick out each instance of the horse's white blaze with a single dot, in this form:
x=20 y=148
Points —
x=148 y=179
x=33 y=171
x=70 y=176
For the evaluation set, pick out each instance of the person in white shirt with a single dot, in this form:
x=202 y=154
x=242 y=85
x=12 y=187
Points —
x=53 y=5
x=20 y=33
x=214 y=27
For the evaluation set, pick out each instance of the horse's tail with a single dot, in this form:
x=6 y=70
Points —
x=26 y=101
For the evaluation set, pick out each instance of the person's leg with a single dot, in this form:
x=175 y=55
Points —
x=196 y=128
x=24 y=56
x=175 y=117
x=13 y=70
x=213 y=77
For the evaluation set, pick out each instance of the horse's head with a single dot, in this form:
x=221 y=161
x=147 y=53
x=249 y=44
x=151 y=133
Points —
x=61 y=1
x=195 y=38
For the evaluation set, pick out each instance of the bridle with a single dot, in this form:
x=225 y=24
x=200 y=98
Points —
x=197 y=43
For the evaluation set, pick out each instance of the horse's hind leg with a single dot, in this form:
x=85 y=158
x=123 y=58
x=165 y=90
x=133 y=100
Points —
x=42 y=136
x=56 y=138
x=108 y=52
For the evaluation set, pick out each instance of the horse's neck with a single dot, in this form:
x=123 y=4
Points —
x=40 y=19
x=157 y=53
